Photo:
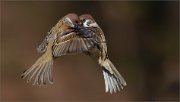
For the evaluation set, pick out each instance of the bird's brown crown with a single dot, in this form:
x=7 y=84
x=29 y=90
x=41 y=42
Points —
x=85 y=16
x=73 y=17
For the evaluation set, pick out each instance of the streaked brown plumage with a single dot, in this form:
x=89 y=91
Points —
x=73 y=35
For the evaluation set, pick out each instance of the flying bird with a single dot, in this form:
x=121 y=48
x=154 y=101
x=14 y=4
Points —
x=74 y=34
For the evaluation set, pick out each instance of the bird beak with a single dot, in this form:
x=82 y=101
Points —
x=78 y=26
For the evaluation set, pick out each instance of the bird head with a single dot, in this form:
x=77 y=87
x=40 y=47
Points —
x=87 y=21
x=83 y=25
x=71 y=19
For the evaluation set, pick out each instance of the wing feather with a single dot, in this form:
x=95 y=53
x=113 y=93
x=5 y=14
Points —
x=72 y=44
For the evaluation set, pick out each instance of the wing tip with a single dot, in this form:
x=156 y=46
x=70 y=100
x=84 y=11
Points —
x=40 y=73
x=112 y=83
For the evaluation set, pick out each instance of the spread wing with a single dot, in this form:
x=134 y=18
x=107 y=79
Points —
x=43 y=46
x=50 y=36
x=73 y=43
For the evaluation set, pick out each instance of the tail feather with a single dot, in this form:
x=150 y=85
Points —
x=113 y=79
x=40 y=72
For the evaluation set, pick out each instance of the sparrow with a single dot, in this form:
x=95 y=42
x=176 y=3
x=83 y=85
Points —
x=74 y=35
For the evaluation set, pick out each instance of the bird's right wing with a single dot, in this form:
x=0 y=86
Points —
x=72 y=44
x=40 y=71
x=50 y=36
x=42 y=47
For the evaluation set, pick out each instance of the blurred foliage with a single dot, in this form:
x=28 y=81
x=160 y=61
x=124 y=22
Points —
x=142 y=39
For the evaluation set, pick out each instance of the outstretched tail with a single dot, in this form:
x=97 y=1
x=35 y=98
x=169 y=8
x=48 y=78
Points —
x=40 y=72
x=113 y=79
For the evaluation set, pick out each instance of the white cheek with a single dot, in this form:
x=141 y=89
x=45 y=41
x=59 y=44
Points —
x=90 y=25
x=85 y=23
x=69 y=22
x=93 y=25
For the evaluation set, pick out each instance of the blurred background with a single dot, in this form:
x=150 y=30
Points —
x=142 y=39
